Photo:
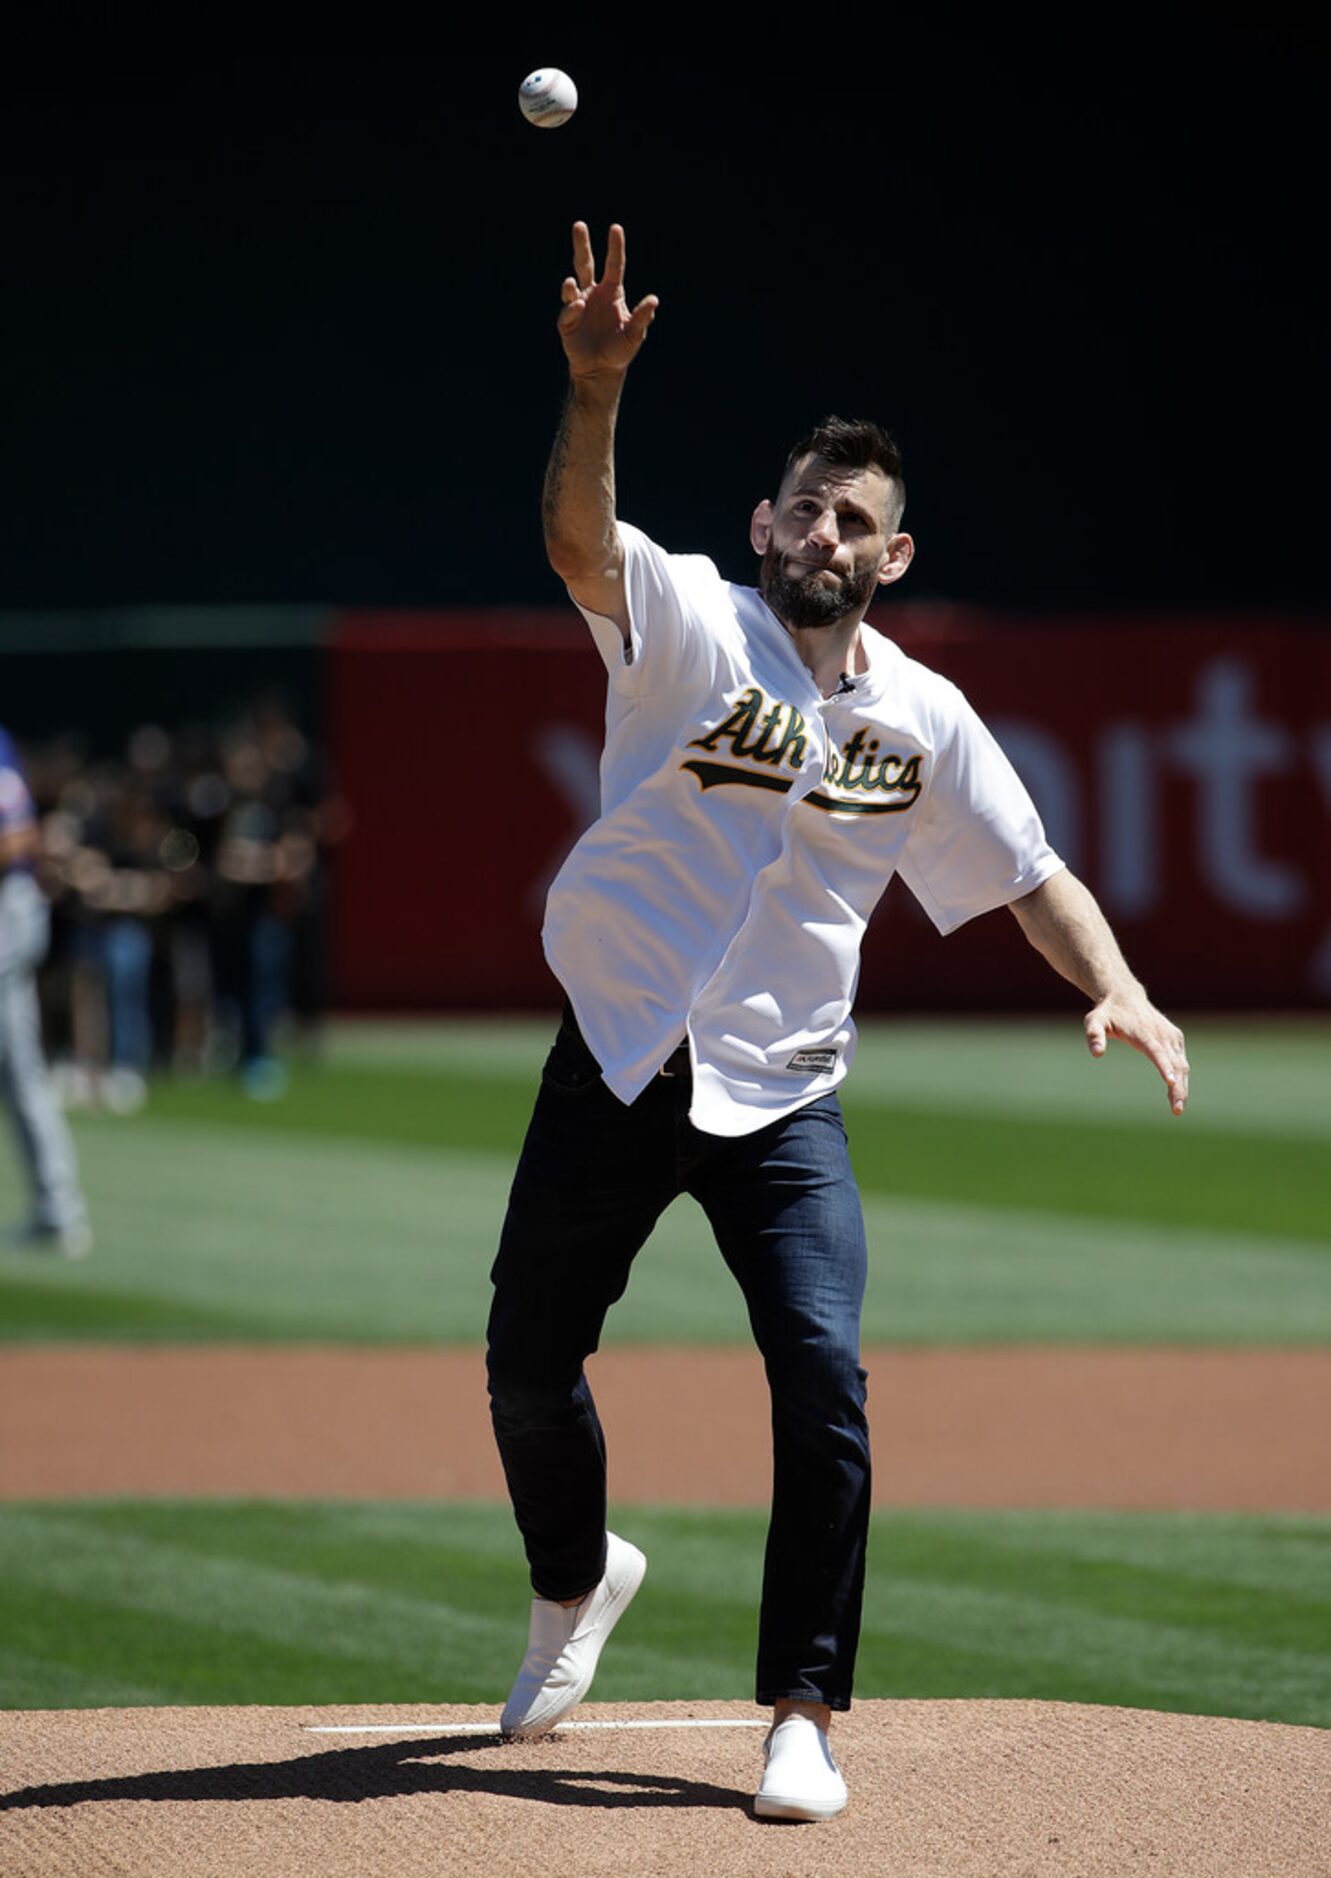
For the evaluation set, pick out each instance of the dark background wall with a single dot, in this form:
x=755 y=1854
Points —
x=279 y=327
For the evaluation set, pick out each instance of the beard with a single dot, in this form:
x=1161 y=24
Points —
x=808 y=600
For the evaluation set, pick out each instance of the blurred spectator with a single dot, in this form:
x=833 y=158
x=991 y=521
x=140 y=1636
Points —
x=190 y=885
x=313 y=821
x=57 y=1218
x=251 y=944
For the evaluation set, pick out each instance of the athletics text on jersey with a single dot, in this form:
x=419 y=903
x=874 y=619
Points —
x=748 y=828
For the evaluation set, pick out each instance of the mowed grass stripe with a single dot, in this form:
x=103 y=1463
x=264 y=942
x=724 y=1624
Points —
x=343 y=1603
x=1079 y=1653
x=1154 y=1173
x=262 y=1237
x=1287 y=1556
x=182 y=1612
x=969 y=1274
x=36 y=1678
x=236 y=1604
x=219 y=1233
x=978 y=1146
x=1251 y=1075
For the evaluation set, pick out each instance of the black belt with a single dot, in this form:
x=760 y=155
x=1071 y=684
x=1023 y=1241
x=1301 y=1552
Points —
x=677 y=1063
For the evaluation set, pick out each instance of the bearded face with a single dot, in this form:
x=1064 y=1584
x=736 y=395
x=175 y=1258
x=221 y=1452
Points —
x=811 y=597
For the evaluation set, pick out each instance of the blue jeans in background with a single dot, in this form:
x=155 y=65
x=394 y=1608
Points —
x=50 y=1166
x=594 y=1176
x=127 y=956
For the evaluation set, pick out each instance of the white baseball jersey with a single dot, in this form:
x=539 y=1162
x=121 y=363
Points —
x=748 y=827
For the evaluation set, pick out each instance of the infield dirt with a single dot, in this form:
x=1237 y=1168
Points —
x=1206 y=1430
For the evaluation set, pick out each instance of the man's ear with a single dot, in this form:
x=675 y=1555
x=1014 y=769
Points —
x=760 y=528
x=897 y=558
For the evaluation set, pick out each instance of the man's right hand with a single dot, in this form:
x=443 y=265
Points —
x=601 y=337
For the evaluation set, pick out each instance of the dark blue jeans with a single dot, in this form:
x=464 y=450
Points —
x=594 y=1176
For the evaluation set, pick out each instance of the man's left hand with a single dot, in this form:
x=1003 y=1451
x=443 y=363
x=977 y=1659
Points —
x=1133 y=1019
x=1061 y=919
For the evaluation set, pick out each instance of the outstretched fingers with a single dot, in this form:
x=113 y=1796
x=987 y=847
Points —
x=599 y=331
x=642 y=316
x=1149 y=1032
x=584 y=266
x=574 y=306
x=584 y=261
x=1171 y=1059
x=614 y=257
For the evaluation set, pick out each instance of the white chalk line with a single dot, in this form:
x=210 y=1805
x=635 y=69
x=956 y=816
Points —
x=492 y=1728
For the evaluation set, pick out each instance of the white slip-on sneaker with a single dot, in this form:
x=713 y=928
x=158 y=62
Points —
x=801 y=1780
x=565 y=1642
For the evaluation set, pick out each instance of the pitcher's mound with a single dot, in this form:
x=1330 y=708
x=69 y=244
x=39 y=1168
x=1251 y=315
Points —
x=947 y=1788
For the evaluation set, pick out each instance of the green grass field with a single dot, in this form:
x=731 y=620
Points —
x=120 y=1604
x=1014 y=1190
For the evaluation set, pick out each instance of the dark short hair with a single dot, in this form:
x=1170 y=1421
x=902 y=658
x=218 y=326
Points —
x=854 y=443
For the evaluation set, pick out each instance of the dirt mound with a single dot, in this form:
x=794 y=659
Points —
x=946 y=1788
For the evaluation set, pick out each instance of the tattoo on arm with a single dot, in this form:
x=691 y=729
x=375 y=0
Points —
x=554 y=470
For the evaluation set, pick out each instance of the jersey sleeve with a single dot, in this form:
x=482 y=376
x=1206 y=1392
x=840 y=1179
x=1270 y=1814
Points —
x=979 y=842
x=663 y=592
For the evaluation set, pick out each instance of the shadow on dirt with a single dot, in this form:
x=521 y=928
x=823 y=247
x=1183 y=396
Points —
x=348 y=1775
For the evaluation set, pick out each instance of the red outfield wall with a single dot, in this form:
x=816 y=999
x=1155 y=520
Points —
x=1183 y=769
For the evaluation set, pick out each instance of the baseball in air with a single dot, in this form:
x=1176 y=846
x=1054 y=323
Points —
x=548 y=98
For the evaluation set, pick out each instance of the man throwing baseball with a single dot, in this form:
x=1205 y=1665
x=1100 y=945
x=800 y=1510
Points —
x=770 y=762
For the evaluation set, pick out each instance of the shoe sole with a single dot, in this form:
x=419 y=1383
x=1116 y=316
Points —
x=618 y=1604
x=768 y=1806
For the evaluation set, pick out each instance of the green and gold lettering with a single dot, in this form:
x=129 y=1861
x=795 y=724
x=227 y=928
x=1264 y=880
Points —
x=891 y=775
x=762 y=748
x=779 y=736
x=851 y=752
x=906 y=782
x=737 y=727
x=793 y=741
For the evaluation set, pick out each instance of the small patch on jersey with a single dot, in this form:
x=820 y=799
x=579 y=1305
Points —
x=819 y=1061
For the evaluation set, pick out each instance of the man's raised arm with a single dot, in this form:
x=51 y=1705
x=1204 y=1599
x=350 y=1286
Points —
x=601 y=338
x=1063 y=921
